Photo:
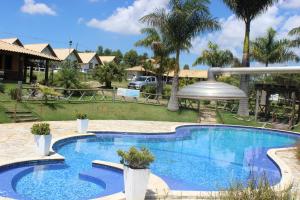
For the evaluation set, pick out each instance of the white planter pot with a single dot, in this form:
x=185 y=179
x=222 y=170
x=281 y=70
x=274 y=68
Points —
x=82 y=125
x=136 y=182
x=43 y=143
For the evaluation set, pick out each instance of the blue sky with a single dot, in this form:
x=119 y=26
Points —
x=114 y=23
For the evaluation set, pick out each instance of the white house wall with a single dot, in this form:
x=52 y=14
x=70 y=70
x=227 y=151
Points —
x=85 y=67
x=88 y=66
x=94 y=62
x=72 y=57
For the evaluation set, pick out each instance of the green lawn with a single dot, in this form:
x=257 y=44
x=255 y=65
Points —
x=113 y=111
x=233 y=119
x=296 y=128
x=3 y=117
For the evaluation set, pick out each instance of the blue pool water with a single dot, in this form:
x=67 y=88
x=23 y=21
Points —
x=194 y=158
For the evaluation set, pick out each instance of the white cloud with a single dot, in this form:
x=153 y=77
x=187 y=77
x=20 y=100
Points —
x=289 y=4
x=232 y=33
x=125 y=20
x=31 y=7
x=291 y=22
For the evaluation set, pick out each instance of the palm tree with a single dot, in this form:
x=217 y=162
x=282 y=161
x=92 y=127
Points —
x=214 y=57
x=296 y=41
x=108 y=72
x=154 y=40
x=182 y=22
x=269 y=50
x=247 y=10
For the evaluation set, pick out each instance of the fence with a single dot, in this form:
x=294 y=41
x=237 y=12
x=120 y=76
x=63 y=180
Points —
x=108 y=95
x=1 y=76
x=91 y=95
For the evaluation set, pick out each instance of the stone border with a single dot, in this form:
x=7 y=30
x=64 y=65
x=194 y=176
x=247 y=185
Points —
x=286 y=174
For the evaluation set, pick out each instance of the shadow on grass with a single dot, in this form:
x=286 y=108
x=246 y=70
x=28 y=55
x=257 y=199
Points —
x=53 y=106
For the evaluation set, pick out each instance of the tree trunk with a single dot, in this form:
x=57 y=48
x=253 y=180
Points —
x=244 y=80
x=173 y=104
x=159 y=87
x=108 y=84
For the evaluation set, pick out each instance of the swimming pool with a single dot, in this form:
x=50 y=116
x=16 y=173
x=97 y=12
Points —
x=205 y=158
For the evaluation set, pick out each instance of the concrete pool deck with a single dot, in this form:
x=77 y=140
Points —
x=16 y=141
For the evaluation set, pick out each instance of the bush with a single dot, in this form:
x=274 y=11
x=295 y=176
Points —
x=2 y=88
x=206 y=102
x=82 y=86
x=152 y=90
x=136 y=159
x=16 y=94
x=298 y=150
x=257 y=189
x=167 y=91
x=186 y=81
x=48 y=91
x=40 y=129
x=68 y=75
x=149 y=89
x=81 y=116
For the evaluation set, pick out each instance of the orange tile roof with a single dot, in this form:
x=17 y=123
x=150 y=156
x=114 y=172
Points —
x=5 y=46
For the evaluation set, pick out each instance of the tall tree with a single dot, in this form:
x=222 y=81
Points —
x=247 y=10
x=118 y=56
x=131 y=58
x=186 y=67
x=107 y=52
x=183 y=21
x=214 y=57
x=296 y=41
x=99 y=51
x=154 y=40
x=269 y=50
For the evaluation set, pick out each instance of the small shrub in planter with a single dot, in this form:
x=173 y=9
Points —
x=42 y=137
x=82 y=122
x=81 y=116
x=136 y=159
x=136 y=172
x=40 y=129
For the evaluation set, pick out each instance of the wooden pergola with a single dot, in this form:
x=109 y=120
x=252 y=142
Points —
x=264 y=92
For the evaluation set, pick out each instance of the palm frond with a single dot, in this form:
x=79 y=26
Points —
x=295 y=31
x=248 y=9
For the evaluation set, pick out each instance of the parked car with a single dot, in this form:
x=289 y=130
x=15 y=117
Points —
x=142 y=81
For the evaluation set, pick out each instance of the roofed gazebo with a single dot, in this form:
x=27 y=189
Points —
x=264 y=93
x=211 y=90
x=14 y=59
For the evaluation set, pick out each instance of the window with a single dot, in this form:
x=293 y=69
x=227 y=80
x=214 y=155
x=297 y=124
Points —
x=8 y=62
